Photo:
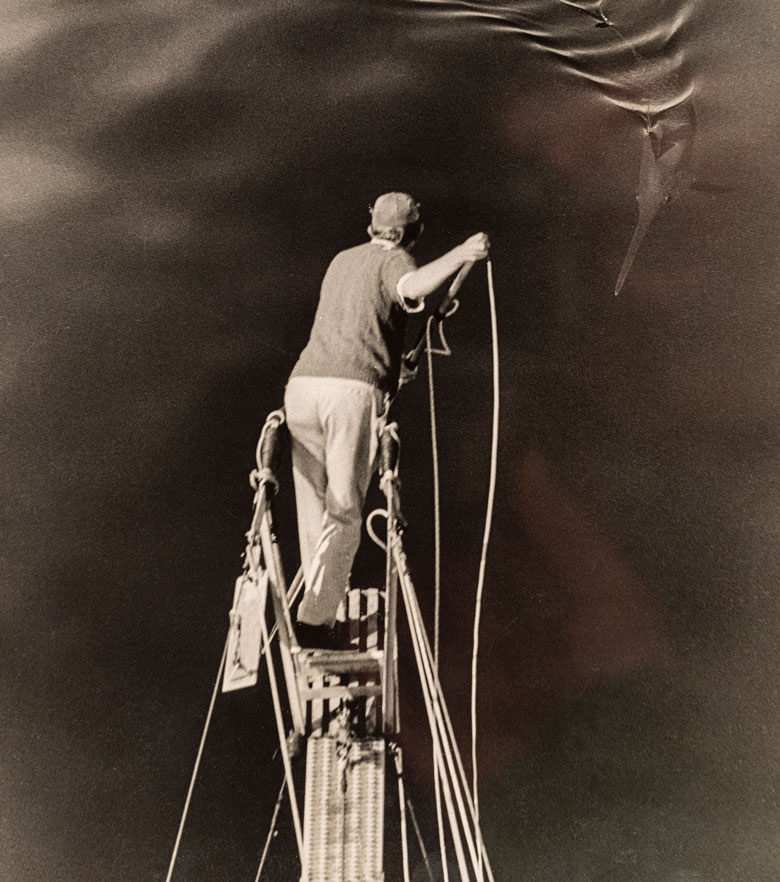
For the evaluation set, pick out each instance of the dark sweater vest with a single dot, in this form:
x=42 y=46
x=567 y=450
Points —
x=358 y=330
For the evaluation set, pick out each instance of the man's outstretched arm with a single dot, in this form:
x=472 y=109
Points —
x=426 y=279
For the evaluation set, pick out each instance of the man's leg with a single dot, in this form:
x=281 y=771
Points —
x=308 y=462
x=349 y=411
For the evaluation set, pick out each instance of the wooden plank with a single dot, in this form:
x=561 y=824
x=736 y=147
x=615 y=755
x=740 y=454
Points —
x=340 y=662
x=341 y=690
x=327 y=678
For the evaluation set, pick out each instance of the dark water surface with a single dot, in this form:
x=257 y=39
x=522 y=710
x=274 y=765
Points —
x=175 y=177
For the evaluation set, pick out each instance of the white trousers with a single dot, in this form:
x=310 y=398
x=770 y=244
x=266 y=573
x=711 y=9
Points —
x=335 y=425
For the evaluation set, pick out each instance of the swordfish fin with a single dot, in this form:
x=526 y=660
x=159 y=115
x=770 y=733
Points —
x=658 y=180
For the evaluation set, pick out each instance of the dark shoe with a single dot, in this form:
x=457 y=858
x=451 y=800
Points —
x=315 y=636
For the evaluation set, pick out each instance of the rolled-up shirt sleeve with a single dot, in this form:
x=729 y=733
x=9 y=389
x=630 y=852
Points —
x=399 y=266
x=408 y=303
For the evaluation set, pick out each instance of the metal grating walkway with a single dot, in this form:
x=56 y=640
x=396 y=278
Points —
x=344 y=811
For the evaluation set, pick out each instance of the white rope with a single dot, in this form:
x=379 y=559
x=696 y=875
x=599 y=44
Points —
x=443 y=730
x=436 y=566
x=445 y=350
x=430 y=701
x=377 y=512
x=214 y=693
x=442 y=714
x=436 y=499
x=474 y=795
x=483 y=558
x=438 y=715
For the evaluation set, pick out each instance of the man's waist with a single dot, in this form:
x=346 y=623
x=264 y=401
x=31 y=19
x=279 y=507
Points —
x=381 y=376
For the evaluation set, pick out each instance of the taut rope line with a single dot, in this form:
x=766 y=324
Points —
x=197 y=765
x=436 y=561
x=483 y=558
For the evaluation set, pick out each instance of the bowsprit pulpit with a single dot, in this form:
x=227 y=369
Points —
x=340 y=706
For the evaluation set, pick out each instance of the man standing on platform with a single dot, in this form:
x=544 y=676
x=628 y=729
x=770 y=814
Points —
x=337 y=393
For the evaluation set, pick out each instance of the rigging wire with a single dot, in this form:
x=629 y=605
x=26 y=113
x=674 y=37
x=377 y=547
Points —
x=431 y=700
x=295 y=587
x=214 y=693
x=395 y=750
x=436 y=707
x=421 y=844
x=453 y=775
x=272 y=829
x=283 y=742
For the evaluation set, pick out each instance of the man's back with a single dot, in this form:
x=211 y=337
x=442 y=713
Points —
x=359 y=326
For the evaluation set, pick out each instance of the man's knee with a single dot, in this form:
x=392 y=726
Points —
x=346 y=508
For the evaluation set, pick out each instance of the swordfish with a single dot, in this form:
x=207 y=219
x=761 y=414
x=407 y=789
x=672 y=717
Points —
x=663 y=171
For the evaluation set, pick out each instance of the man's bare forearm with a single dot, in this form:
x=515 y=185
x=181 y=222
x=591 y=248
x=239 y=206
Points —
x=427 y=278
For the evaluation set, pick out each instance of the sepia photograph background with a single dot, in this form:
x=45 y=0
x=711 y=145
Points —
x=174 y=180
